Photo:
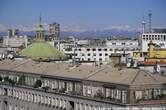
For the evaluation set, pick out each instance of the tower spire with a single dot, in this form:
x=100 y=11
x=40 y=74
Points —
x=40 y=19
x=150 y=21
x=40 y=30
x=143 y=25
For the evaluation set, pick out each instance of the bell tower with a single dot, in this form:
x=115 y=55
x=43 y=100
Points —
x=40 y=32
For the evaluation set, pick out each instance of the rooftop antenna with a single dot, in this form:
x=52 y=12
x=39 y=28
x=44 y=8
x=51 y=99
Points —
x=143 y=25
x=150 y=21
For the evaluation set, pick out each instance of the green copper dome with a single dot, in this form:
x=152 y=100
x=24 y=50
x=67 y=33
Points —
x=39 y=28
x=41 y=50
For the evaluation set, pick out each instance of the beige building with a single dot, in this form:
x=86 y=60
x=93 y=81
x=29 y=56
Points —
x=82 y=87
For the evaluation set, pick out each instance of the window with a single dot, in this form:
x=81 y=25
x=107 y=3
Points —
x=79 y=49
x=105 y=49
x=106 y=54
x=164 y=37
x=113 y=43
x=99 y=49
x=89 y=90
x=88 y=54
x=162 y=44
x=83 y=54
x=161 y=37
x=69 y=49
x=94 y=54
x=152 y=37
x=155 y=37
x=94 y=49
x=149 y=37
x=88 y=49
x=100 y=59
x=100 y=54
x=158 y=37
x=138 y=94
x=110 y=49
x=88 y=59
x=123 y=43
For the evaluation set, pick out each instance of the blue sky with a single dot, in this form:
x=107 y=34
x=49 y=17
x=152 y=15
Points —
x=82 y=14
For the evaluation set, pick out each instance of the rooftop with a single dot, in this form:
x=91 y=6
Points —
x=104 y=73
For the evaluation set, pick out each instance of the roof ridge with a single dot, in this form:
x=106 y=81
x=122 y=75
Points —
x=95 y=73
x=147 y=74
x=135 y=77
x=151 y=75
x=19 y=65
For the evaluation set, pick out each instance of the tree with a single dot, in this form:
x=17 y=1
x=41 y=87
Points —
x=38 y=84
x=11 y=82
x=6 y=79
x=99 y=95
x=21 y=80
x=46 y=88
x=62 y=90
x=0 y=78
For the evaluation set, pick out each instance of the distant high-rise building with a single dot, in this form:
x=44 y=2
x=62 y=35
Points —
x=15 y=32
x=159 y=30
x=9 y=32
x=150 y=21
x=14 y=40
x=12 y=32
x=143 y=25
x=54 y=30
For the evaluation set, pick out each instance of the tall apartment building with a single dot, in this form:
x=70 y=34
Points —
x=54 y=30
x=12 y=32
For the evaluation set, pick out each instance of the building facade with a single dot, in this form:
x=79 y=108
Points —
x=54 y=30
x=157 y=38
x=14 y=40
x=101 y=53
x=31 y=85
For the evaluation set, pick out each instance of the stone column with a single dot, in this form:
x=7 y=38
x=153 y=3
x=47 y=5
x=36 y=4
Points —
x=64 y=104
x=57 y=102
x=52 y=101
x=77 y=106
x=35 y=98
x=28 y=79
x=10 y=107
x=49 y=100
x=45 y=99
x=52 y=85
x=60 y=104
x=32 y=97
x=131 y=97
x=84 y=90
x=42 y=99
x=19 y=94
x=81 y=106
